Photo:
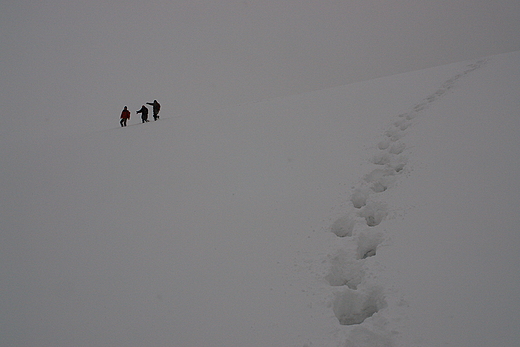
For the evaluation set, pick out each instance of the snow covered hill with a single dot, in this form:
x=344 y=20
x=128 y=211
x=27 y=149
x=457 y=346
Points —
x=380 y=213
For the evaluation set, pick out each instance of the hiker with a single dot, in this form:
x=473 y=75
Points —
x=156 y=107
x=144 y=114
x=125 y=115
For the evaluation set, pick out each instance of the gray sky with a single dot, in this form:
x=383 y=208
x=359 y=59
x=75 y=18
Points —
x=71 y=62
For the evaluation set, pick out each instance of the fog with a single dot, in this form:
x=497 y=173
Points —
x=76 y=64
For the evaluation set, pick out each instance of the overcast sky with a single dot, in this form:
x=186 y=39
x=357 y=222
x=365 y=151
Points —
x=71 y=62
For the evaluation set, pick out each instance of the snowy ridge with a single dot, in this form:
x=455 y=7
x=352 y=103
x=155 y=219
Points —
x=362 y=298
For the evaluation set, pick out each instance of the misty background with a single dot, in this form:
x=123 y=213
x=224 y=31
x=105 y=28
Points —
x=73 y=64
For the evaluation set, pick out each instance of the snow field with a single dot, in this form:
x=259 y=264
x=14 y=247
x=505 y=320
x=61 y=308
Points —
x=365 y=215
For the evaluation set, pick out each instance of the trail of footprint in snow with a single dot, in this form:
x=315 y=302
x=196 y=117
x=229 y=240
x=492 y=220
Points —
x=361 y=300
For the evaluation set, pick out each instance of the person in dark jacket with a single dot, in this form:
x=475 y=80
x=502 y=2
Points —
x=125 y=115
x=144 y=114
x=156 y=107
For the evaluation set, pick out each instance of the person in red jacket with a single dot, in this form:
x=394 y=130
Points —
x=125 y=114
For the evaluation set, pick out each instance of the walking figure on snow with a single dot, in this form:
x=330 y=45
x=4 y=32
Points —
x=125 y=115
x=156 y=107
x=144 y=114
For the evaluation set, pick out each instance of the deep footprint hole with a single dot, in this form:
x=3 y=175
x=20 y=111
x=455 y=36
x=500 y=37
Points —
x=367 y=244
x=345 y=271
x=374 y=213
x=352 y=307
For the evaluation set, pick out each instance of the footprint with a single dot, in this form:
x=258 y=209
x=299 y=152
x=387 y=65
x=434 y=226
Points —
x=344 y=271
x=410 y=116
x=441 y=91
x=404 y=126
x=343 y=226
x=390 y=160
x=421 y=106
x=381 y=158
x=399 y=166
x=380 y=179
x=397 y=148
x=353 y=307
x=384 y=144
x=394 y=134
x=367 y=244
x=431 y=98
x=374 y=213
x=359 y=198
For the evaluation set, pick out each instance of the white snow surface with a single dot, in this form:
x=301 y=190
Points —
x=379 y=213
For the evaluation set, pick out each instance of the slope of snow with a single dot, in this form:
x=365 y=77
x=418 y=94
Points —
x=381 y=213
